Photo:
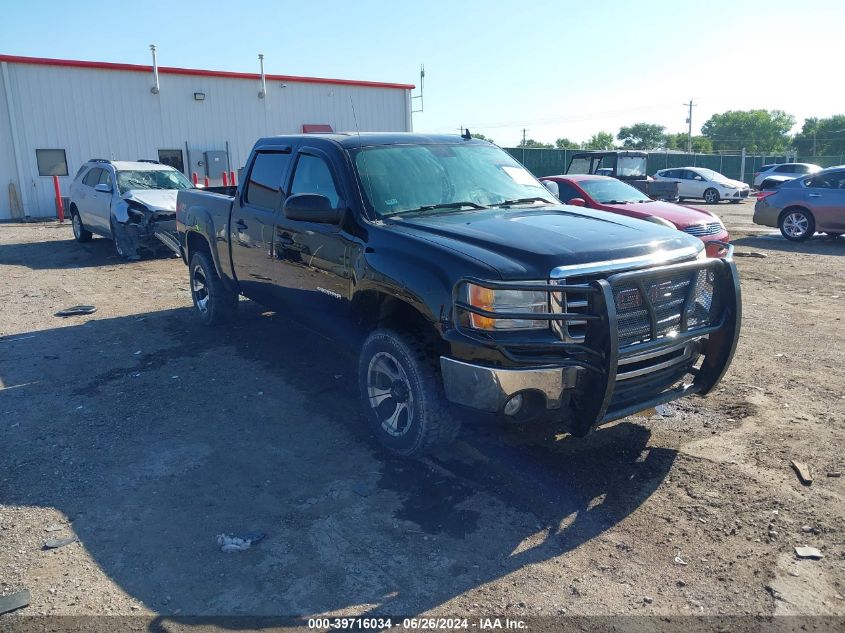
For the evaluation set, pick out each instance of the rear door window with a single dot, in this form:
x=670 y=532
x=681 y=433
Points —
x=789 y=169
x=264 y=188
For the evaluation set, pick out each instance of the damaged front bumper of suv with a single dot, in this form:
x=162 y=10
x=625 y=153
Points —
x=137 y=225
x=621 y=342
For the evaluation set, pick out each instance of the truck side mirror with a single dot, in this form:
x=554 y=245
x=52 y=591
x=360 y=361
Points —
x=577 y=202
x=311 y=207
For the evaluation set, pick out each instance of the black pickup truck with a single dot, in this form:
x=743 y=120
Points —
x=466 y=281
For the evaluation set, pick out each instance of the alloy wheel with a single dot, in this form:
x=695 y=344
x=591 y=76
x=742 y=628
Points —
x=199 y=288
x=389 y=393
x=796 y=224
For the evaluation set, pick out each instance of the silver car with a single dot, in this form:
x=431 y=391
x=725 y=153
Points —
x=791 y=170
x=805 y=206
x=125 y=201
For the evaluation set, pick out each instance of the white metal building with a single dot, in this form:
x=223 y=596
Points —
x=56 y=114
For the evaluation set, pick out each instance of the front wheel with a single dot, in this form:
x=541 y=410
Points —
x=797 y=225
x=402 y=394
x=80 y=233
x=711 y=196
x=214 y=302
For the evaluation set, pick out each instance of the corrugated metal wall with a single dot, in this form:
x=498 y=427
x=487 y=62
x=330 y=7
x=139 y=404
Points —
x=96 y=113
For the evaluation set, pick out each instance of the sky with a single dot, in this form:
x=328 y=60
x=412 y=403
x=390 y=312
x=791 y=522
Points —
x=557 y=69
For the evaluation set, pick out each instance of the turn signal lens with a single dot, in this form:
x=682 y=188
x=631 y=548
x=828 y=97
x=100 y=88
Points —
x=483 y=298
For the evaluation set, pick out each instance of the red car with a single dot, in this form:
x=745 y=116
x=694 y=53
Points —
x=609 y=194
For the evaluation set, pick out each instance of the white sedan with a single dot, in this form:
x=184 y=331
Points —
x=709 y=185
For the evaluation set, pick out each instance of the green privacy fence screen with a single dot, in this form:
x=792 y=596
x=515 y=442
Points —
x=549 y=162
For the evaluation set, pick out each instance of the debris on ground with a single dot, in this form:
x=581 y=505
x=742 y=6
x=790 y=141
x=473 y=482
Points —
x=834 y=473
x=230 y=544
x=750 y=254
x=802 y=551
x=56 y=543
x=76 y=311
x=14 y=601
x=664 y=410
x=803 y=472
x=648 y=599
x=54 y=527
x=679 y=560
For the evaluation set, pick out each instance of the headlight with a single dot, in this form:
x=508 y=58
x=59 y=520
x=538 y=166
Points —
x=664 y=222
x=521 y=301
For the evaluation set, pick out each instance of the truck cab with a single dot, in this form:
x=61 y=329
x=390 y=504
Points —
x=465 y=281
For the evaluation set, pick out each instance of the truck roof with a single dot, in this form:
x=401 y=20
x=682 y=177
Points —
x=351 y=140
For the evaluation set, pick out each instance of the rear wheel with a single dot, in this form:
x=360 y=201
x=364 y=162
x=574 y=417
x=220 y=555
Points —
x=214 y=302
x=796 y=224
x=402 y=394
x=711 y=196
x=80 y=233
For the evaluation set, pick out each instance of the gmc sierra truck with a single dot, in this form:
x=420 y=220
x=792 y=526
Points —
x=467 y=282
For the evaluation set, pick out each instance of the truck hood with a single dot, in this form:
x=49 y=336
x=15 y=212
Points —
x=154 y=199
x=527 y=243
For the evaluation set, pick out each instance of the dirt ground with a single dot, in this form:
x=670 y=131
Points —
x=145 y=436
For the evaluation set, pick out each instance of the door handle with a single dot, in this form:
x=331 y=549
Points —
x=241 y=225
x=285 y=239
x=814 y=195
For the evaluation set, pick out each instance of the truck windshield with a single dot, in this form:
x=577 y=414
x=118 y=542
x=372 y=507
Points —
x=151 y=179
x=408 y=178
x=612 y=191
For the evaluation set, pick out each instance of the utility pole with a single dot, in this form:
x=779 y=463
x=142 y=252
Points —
x=523 y=136
x=689 y=123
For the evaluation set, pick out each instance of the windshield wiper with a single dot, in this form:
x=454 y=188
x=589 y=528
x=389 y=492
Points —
x=508 y=203
x=445 y=205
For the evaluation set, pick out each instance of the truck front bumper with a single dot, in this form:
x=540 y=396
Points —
x=607 y=376
x=489 y=388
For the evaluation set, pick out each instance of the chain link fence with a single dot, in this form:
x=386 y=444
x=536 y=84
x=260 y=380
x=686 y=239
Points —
x=550 y=162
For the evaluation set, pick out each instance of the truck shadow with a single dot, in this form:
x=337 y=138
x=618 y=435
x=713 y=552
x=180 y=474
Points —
x=816 y=245
x=66 y=254
x=257 y=428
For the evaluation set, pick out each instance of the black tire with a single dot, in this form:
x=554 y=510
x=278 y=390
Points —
x=735 y=201
x=796 y=224
x=80 y=233
x=711 y=196
x=426 y=420
x=214 y=303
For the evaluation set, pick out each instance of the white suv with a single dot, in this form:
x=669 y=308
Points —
x=790 y=170
x=125 y=201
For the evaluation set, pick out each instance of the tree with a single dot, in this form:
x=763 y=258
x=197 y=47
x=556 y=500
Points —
x=565 y=143
x=679 y=141
x=821 y=137
x=642 y=136
x=600 y=140
x=481 y=137
x=755 y=130
x=531 y=143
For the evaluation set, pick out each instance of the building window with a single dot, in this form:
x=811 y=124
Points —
x=172 y=157
x=51 y=162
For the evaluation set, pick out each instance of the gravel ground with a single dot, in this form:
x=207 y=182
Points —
x=144 y=436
